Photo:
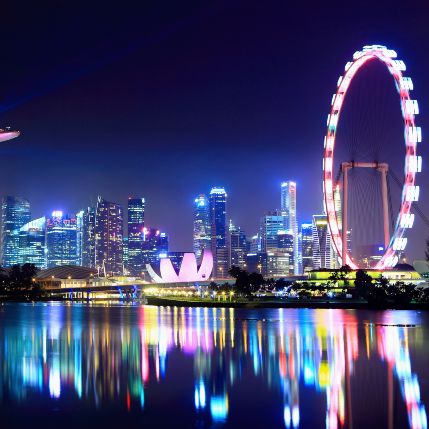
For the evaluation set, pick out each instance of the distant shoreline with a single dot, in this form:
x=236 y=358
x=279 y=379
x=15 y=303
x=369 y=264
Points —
x=303 y=303
x=349 y=304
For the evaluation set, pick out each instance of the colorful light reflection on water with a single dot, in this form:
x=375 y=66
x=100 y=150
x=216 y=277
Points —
x=198 y=367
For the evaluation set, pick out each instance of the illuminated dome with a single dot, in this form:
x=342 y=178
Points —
x=8 y=135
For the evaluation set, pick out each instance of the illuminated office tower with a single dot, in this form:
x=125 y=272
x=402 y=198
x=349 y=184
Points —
x=88 y=238
x=125 y=254
x=288 y=210
x=136 y=208
x=285 y=253
x=278 y=244
x=271 y=223
x=15 y=213
x=306 y=235
x=109 y=229
x=255 y=245
x=61 y=240
x=201 y=235
x=219 y=232
x=79 y=227
x=155 y=246
x=32 y=243
x=321 y=242
x=237 y=246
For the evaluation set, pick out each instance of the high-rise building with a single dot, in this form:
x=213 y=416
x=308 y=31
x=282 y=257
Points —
x=136 y=208
x=88 y=238
x=288 y=210
x=32 y=243
x=237 y=246
x=79 y=228
x=254 y=245
x=321 y=242
x=257 y=263
x=201 y=236
x=306 y=235
x=15 y=213
x=61 y=240
x=155 y=245
x=278 y=244
x=285 y=253
x=109 y=227
x=219 y=231
x=271 y=224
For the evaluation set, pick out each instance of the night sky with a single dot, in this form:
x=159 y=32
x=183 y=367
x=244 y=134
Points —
x=165 y=99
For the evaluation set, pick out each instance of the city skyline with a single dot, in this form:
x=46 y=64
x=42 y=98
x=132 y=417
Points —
x=271 y=124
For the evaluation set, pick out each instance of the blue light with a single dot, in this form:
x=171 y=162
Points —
x=219 y=408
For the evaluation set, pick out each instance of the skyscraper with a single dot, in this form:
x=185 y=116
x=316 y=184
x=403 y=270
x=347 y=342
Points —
x=219 y=232
x=271 y=223
x=109 y=229
x=15 y=213
x=61 y=240
x=201 y=235
x=32 y=243
x=288 y=210
x=278 y=244
x=237 y=246
x=321 y=242
x=79 y=228
x=136 y=208
x=155 y=246
x=307 y=246
x=88 y=238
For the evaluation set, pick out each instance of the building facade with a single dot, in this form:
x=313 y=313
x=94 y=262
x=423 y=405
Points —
x=155 y=246
x=219 y=232
x=237 y=247
x=306 y=235
x=136 y=210
x=202 y=227
x=278 y=244
x=288 y=210
x=109 y=227
x=61 y=240
x=88 y=238
x=32 y=243
x=322 y=246
x=15 y=213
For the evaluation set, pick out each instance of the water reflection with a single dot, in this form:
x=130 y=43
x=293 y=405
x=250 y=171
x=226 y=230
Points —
x=115 y=355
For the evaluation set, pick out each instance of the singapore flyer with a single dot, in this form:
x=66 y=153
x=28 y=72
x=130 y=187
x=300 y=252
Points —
x=337 y=204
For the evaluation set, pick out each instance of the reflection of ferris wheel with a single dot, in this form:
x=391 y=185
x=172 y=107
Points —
x=395 y=242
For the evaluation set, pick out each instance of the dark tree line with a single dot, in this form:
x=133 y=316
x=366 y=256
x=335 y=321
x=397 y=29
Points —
x=382 y=293
x=246 y=283
x=19 y=281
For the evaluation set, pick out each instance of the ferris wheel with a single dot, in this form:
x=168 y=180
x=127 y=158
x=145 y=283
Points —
x=394 y=241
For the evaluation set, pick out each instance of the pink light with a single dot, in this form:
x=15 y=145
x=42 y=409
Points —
x=189 y=271
x=412 y=136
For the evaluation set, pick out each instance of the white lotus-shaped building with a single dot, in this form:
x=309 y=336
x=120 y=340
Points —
x=189 y=270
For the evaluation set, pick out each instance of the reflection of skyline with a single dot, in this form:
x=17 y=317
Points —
x=105 y=360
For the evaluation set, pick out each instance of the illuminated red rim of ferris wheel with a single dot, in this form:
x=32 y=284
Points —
x=412 y=136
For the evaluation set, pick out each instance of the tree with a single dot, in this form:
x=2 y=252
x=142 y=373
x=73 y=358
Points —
x=256 y=280
x=401 y=293
x=235 y=271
